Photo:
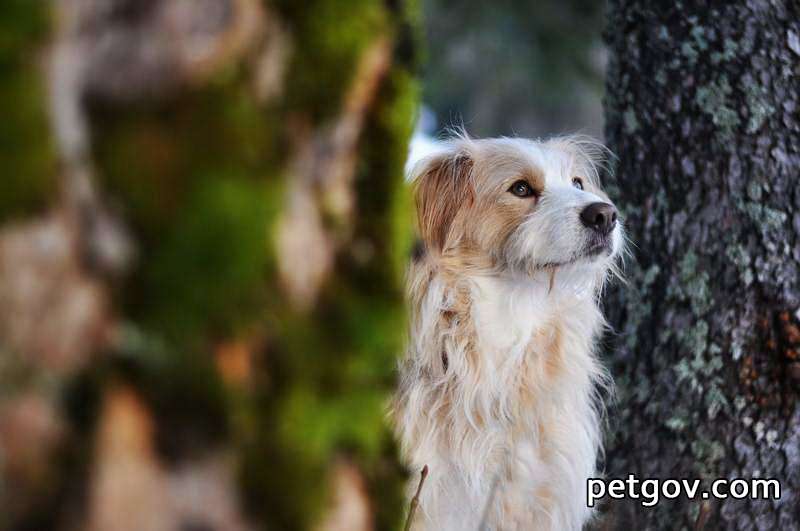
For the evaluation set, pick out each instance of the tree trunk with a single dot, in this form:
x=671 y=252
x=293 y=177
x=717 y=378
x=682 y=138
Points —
x=703 y=110
x=203 y=235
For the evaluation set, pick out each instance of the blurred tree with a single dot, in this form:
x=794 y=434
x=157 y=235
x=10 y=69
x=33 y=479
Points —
x=702 y=110
x=515 y=66
x=204 y=231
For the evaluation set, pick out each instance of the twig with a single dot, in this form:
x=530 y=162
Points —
x=415 y=500
x=702 y=516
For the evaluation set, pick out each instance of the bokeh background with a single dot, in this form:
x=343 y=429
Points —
x=530 y=69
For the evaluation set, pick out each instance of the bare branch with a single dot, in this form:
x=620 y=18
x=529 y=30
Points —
x=415 y=500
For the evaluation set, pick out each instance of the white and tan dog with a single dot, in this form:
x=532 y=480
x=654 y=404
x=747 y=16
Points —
x=499 y=386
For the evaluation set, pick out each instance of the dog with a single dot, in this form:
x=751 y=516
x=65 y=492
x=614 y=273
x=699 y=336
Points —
x=500 y=391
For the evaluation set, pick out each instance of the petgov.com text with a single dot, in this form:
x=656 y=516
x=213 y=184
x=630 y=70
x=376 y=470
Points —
x=651 y=491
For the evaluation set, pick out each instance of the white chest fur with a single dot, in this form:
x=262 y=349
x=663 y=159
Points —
x=510 y=427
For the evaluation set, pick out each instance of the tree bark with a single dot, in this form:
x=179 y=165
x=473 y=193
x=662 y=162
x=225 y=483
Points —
x=703 y=111
x=202 y=243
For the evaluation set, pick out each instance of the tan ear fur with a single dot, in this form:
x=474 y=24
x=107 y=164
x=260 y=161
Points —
x=442 y=187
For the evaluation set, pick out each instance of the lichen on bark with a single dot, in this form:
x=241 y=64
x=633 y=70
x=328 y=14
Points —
x=705 y=181
x=28 y=157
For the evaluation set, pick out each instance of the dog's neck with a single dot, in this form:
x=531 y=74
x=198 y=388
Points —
x=508 y=310
x=505 y=311
x=501 y=371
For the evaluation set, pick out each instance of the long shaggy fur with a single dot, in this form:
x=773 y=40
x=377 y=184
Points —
x=499 y=385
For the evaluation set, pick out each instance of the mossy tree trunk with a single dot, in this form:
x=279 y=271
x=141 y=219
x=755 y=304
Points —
x=203 y=229
x=703 y=111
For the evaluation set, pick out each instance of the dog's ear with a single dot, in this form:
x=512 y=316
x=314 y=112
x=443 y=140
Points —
x=442 y=187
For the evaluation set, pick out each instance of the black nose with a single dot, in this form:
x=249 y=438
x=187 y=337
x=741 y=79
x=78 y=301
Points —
x=601 y=217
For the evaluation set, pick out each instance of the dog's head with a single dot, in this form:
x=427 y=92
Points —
x=517 y=205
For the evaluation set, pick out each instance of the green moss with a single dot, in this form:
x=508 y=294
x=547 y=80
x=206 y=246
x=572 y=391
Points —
x=28 y=157
x=332 y=40
x=319 y=425
x=399 y=118
x=208 y=271
x=332 y=370
x=202 y=179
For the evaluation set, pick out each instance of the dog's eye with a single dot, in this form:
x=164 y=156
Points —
x=577 y=182
x=521 y=189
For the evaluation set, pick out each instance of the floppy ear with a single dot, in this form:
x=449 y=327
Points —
x=442 y=187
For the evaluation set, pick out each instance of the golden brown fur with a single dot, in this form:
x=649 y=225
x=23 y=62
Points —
x=498 y=386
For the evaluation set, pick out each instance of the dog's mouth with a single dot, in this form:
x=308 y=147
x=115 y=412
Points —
x=603 y=247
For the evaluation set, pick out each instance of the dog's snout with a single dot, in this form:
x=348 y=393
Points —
x=601 y=217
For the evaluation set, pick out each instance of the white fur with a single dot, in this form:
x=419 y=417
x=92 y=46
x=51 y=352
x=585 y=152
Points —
x=488 y=449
